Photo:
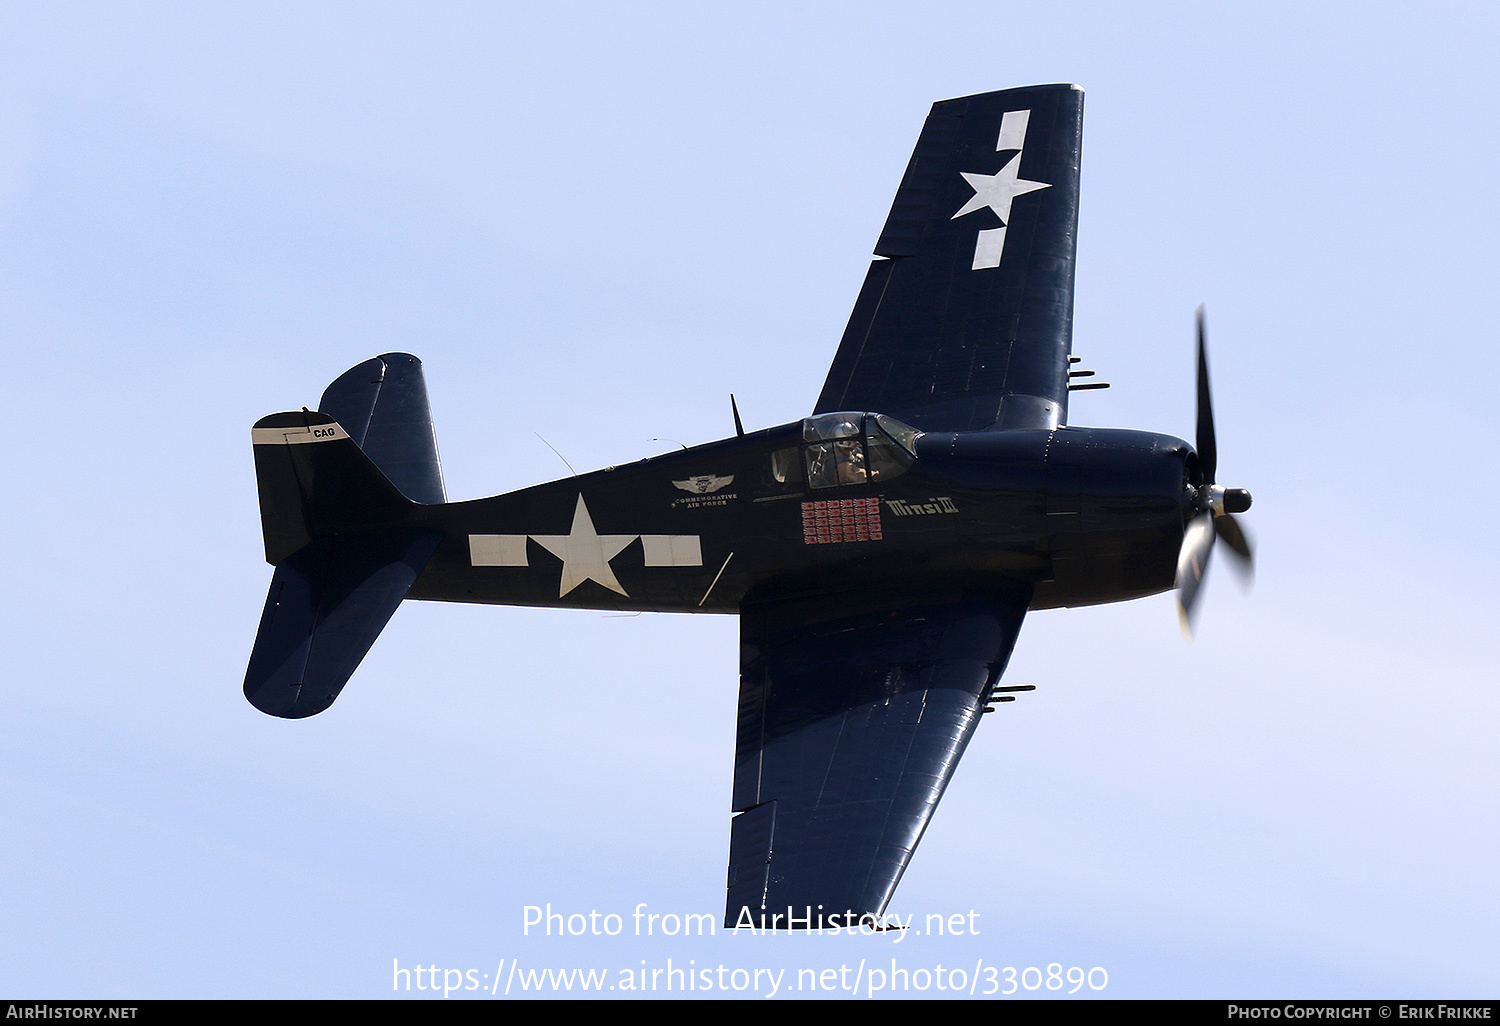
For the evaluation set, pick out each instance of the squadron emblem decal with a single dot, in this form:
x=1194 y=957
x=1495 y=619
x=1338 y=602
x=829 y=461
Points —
x=585 y=553
x=996 y=191
x=705 y=483
x=704 y=490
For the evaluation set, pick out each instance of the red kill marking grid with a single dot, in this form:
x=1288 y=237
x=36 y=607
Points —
x=841 y=520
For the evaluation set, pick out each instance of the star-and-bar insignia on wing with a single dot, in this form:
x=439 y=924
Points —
x=998 y=190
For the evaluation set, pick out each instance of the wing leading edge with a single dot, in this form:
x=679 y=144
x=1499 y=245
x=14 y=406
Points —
x=854 y=711
x=967 y=323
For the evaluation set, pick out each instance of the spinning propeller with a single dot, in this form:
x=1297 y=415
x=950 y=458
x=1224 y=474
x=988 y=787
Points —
x=1215 y=504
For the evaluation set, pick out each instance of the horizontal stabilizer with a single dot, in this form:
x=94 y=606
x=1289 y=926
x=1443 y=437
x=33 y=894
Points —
x=327 y=605
x=383 y=405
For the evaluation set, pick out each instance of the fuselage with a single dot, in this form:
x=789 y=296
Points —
x=1082 y=515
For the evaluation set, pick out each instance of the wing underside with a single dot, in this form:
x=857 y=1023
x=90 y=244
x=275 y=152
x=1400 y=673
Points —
x=853 y=713
x=966 y=322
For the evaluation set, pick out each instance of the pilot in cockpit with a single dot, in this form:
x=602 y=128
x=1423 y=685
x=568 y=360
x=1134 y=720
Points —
x=850 y=457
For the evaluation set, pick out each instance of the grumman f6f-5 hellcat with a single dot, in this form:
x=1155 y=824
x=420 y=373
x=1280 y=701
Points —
x=881 y=553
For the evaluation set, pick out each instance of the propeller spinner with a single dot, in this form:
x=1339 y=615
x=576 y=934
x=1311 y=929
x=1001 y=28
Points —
x=1216 y=506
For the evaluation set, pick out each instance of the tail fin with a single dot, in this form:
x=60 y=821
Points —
x=339 y=525
x=314 y=482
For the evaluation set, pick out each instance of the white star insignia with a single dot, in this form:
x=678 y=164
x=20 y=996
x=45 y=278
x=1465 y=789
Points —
x=585 y=553
x=996 y=191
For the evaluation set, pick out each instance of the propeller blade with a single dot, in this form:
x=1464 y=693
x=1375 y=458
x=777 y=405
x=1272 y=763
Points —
x=1215 y=506
x=1230 y=529
x=1208 y=450
x=1192 y=563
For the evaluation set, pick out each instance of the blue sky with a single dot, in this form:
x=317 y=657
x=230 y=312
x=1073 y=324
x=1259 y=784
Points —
x=593 y=223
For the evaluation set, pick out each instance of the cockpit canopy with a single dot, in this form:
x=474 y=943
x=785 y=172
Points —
x=851 y=449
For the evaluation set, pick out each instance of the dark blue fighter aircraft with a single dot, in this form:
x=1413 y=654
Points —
x=880 y=553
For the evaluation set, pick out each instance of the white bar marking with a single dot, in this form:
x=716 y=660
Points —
x=988 y=247
x=672 y=549
x=1013 y=130
x=497 y=550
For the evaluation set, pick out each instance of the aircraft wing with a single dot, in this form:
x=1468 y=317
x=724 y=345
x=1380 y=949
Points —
x=967 y=321
x=854 y=710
